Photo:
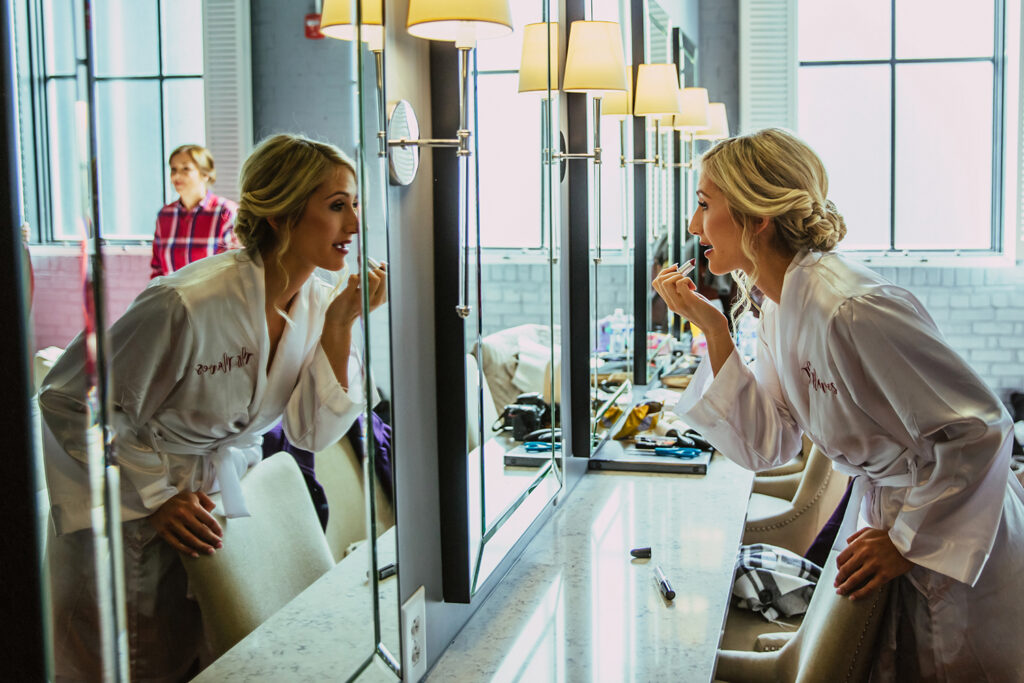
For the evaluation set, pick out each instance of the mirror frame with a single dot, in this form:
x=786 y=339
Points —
x=463 y=544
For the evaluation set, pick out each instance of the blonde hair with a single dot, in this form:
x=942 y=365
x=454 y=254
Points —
x=774 y=174
x=201 y=157
x=277 y=181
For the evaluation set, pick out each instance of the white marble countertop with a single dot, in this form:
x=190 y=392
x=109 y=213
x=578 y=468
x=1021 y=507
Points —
x=324 y=634
x=577 y=607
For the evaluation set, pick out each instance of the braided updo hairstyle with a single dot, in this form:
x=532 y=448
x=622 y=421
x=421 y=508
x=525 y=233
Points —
x=277 y=181
x=772 y=173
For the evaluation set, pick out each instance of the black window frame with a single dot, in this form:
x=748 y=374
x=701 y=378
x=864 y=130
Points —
x=997 y=233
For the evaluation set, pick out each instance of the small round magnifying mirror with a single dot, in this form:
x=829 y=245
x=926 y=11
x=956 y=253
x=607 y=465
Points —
x=403 y=161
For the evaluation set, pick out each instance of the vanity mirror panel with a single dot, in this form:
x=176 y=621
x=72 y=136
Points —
x=378 y=421
x=660 y=232
x=330 y=91
x=612 y=251
x=507 y=347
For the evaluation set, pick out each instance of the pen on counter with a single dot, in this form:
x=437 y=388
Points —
x=663 y=585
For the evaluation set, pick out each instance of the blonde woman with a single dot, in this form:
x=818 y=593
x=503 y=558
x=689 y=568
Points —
x=198 y=223
x=204 y=362
x=857 y=364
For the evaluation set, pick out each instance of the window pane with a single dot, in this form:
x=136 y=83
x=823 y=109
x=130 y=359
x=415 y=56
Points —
x=65 y=182
x=501 y=54
x=61 y=18
x=126 y=38
x=131 y=169
x=944 y=156
x=840 y=29
x=510 y=158
x=182 y=42
x=844 y=115
x=944 y=28
x=184 y=121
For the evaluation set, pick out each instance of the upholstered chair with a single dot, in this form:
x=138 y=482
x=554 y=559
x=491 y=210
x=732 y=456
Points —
x=340 y=471
x=793 y=523
x=266 y=560
x=473 y=387
x=835 y=641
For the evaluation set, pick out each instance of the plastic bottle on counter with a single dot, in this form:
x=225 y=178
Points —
x=619 y=329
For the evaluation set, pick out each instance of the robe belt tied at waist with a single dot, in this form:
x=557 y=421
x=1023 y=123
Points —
x=221 y=465
x=225 y=468
x=862 y=482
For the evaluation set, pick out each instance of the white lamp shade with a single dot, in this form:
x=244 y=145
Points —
x=534 y=66
x=694 y=111
x=718 y=129
x=336 y=22
x=657 y=90
x=462 y=21
x=619 y=103
x=594 y=59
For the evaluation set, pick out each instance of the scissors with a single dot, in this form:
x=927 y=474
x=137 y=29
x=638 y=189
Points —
x=678 y=452
x=540 y=446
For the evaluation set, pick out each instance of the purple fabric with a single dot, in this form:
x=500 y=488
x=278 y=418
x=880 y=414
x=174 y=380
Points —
x=822 y=544
x=382 y=449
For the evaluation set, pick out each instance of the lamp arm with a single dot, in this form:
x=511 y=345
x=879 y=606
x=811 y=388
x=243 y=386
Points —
x=463 y=307
x=597 y=174
x=382 y=121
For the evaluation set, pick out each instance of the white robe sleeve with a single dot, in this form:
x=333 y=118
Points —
x=956 y=433
x=320 y=410
x=149 y=352
x=741 y=411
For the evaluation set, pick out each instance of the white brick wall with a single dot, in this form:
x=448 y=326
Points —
x=981 y=314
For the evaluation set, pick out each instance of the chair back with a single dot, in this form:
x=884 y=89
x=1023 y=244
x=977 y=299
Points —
x=794 y=524
x=266 y=559
x=835 y=641
x=340 y=471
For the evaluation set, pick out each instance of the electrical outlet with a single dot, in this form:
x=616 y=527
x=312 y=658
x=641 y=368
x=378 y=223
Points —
x=414 y=636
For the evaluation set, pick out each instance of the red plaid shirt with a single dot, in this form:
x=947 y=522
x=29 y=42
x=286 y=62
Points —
x=183 y=236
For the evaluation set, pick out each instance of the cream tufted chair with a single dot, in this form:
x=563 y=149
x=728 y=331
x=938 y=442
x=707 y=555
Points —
x=267 y=558
x=794 y=523
x=340 y=471
x=474 y=438
x=835 y=641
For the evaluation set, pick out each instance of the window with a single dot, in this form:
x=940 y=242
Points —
x=906 y=104
x=149 y=99
x=509 y=146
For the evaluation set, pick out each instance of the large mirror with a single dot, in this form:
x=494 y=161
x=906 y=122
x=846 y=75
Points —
x=507 y=462
x=611 y=247
x=661 y=236
x=306 y=580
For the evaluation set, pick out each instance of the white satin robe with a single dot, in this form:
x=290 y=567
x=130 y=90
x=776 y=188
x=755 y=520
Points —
x=190 y=391
x=857 y=364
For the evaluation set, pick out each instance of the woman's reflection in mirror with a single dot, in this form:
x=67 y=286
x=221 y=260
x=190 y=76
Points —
x=204 y=362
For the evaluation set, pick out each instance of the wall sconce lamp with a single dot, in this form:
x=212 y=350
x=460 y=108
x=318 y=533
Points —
x=657 y=95
x=619 y=105
x=718 y=128
x=463 y=23
x=447 y=20
x=594 y=63
x=538 y=72
x=695 y=115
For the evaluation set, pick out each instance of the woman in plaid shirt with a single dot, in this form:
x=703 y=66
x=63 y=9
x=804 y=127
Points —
x=199 y=223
